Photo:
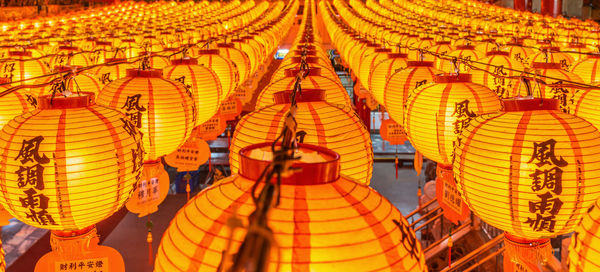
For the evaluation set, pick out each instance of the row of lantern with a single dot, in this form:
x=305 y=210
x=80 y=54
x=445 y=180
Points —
x=520 y=164
x=75 y=160
x=326 y=219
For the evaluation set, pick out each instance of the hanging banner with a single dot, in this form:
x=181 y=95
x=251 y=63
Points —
x=150 y=191
x=193 y=153
x=449 y=197
x=211 y=129
x=230 y=108
x=80 y=254
x=392 y=132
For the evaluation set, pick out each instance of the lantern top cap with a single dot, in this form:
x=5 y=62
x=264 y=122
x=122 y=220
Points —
x=293 y=72
x=73 y=233
x=71 y=101
x=413 y=63
x=4 y=80
x=185 y=61
x=20 y=53
x=397 y=55
x=452 y=78
x=317 y=165
x=135 y=72
x=496 y=53
x=546 y=65
x=529 y=103
x=307 y=95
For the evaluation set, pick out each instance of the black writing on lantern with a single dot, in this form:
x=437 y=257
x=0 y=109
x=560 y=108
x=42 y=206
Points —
x=409 y=240
x=105 y=78
x=420 y=83
x=564 y=64
x=546 y=182
x=500 y=81
x=561 y=94
x=137 y=153
x=188 y=90
x=31 y=100
x=95 y=265
x=30 y=179
x=133 y=110
x=9 y=68
x=463 y=116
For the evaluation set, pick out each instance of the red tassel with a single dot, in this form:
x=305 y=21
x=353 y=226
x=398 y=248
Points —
x=396 y=163
x=187 y=185
x=209 y=165
x=450 y=244
x=150 y=253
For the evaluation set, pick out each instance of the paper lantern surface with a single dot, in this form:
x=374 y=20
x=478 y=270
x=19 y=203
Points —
x=522 y=170
x=324 y=222
x=68 y=164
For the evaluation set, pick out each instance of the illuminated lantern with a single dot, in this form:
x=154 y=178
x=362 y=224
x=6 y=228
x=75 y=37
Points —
x=423 y=44
x=436 y=113
x=335 y=93
x=497 y=63
x=583 y=255
x=79 y=247
x=324 y=221
x=70 y=56
x=555 y=83
x=104 y=51
x=241 y=60
x=518 y=52
x=113 y=70
x=14 y=103
x=80 y=82
x=467 y=52
x=332 y=126
x=87 y=159
x=401 y=83
x=21 y=68
x=162 y=109
x=550 y=55
x=154 y=61
x=486 y=46
x=578 y=51
x=440 y=48
x=588 y=69
x=226 y=70
x=203 y=82
x=368 y=62
x=131 y=48
x=381 y=71
x=294 y=63
x=521 y=170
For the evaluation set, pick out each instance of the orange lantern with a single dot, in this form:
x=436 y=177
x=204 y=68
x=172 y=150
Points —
x=155 y=61
x=401 y=83
x=225 y=69
x=583 y=254
x=463 y=54
x=494 y=70
x=335 y=92
x=551 y=55
x=368 y=62
x=518 y=52
x=70 y=56
x=521 y=170
x=20 y=68
x=553 y=83
x=436 y=113
x=324 y=221
x=149 y=102
x=238 y=57
x=588 y=69
x=14 y=103
x=381 y=71
x=75 y=82
x=325 y=124
x=203 y=83
x=151 y=190
x=77 y=168
x=112 y=70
